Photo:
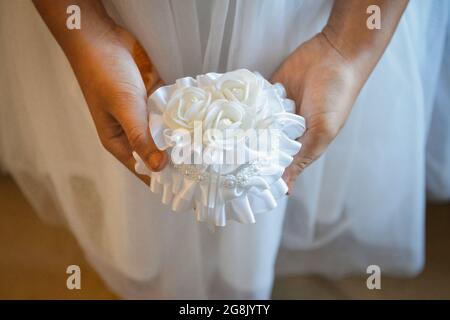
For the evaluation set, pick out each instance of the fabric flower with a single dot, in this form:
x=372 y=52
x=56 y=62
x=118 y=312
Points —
x=243 y=86
x=223 y=119
x=187 y=105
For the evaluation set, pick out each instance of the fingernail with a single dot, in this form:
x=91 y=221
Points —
x=155 y=159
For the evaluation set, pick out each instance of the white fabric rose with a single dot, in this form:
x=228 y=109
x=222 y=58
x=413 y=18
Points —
x=187 y=105
x=243 y=86
x=223 y=118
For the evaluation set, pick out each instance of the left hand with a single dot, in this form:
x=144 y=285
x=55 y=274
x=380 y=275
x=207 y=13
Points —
x=324 y=86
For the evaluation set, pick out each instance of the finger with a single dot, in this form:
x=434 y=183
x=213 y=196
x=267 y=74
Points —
x=133 y=118
x=121 y=149
x=149 y=74
x=289 y=177
x=115 y=141
x=308 y=153
x=314 y=142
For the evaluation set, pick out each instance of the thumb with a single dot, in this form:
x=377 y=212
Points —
x=134 y=120
x=314 y=142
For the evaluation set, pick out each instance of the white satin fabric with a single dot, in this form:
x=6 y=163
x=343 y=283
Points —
x=361 y=203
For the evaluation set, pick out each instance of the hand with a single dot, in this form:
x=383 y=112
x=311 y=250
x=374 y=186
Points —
x=324 y=86
x=325 y=74
x=116 y=76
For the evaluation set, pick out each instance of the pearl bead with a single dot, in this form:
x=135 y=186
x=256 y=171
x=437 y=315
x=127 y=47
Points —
x=229 y=182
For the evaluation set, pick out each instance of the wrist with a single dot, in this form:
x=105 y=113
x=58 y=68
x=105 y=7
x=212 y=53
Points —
x=92 y=35
x=361 y=53
x=347 y=30
x=95 y=23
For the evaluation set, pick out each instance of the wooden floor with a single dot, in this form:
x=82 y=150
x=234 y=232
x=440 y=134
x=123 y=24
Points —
x=34 y=257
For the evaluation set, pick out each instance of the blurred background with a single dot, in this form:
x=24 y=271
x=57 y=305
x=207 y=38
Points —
x=35 y=255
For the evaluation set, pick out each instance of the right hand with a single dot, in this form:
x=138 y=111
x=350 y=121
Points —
x=116 y=76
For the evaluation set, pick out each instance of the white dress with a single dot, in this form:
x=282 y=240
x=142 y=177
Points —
x=362 y=203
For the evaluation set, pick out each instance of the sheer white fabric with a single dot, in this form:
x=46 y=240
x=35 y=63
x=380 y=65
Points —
x=438 y=146
x=362 y=203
